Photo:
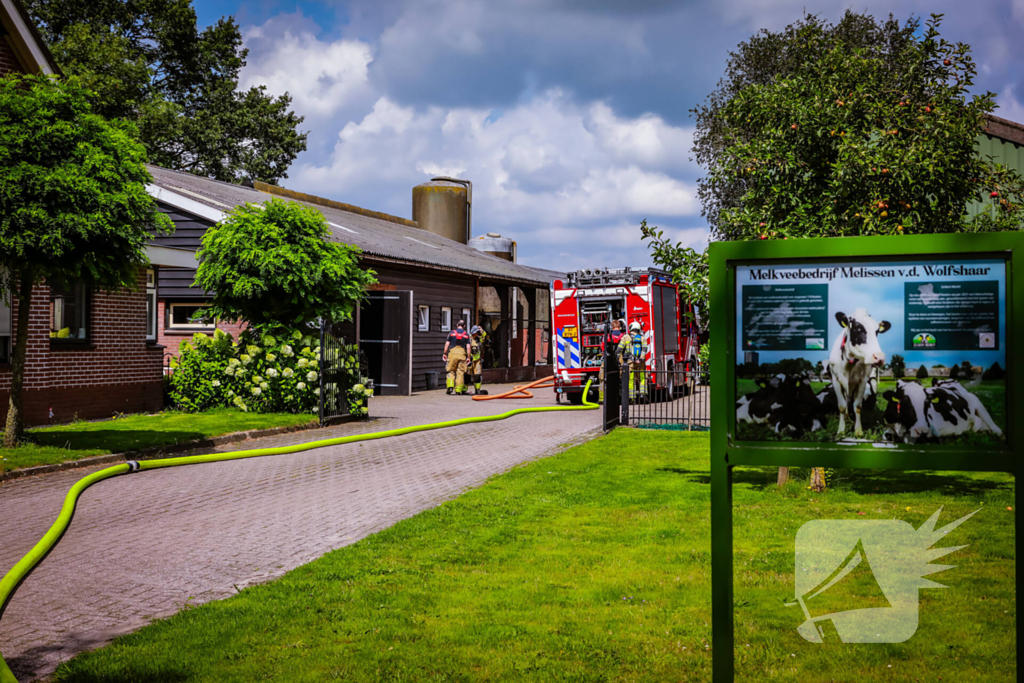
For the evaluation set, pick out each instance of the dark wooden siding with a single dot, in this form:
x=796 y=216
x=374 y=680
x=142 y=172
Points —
x=176 y=283
x=434 y=290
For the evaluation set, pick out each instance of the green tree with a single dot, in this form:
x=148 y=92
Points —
x=898 y=365
x=994 y=373
x=73 y=202
x=966 y=371
x=922 y=372
x=273 y=267
x=857 y=128
x=147 y=61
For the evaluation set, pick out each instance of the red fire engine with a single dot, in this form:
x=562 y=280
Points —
x=584 y=306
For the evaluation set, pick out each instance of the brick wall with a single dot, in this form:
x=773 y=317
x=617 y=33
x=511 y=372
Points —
x=116 y=371
x=172 y=338
x=8 y=60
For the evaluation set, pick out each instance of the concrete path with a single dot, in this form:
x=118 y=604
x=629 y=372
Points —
x=142 y=546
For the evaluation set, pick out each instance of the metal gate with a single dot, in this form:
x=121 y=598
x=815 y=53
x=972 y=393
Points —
x=334 y=380
x=386 y=337
x=684 y=404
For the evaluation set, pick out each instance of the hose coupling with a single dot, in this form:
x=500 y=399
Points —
x=133 y=466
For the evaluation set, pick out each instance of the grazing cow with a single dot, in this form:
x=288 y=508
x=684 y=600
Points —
x=954 y=410
x=906 y=412
x=855 y=357
x=754 y=408
x=795 y=408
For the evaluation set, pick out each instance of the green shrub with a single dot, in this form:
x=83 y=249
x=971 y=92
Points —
x=262 y=373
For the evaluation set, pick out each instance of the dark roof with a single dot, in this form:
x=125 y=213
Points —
x=33 y=36
x=1005 y=129
x=378 y=235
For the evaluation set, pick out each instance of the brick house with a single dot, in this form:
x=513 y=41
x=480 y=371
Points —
x=89 y=353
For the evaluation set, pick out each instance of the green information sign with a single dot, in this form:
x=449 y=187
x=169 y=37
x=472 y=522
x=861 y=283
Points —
x=935 y=301
x=951 y=316
x=784 y=317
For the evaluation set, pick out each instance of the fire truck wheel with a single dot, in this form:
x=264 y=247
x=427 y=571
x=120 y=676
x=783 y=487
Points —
x=576 y=398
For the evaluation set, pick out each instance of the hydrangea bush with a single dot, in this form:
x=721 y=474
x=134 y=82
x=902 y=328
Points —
x=262 y=373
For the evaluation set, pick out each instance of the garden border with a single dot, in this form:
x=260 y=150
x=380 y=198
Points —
x=157 y=452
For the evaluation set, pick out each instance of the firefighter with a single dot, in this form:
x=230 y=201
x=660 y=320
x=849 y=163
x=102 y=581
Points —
x=614 y=337
x=456 y=352
x=477 y=338
x=633 y=351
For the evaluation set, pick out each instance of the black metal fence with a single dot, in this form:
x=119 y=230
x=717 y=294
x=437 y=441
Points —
x=676 y=399
x=334 y=379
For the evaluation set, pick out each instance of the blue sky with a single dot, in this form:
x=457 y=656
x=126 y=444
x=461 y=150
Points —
x=571 y=117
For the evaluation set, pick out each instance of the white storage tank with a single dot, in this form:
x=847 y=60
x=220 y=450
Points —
x=494 y=244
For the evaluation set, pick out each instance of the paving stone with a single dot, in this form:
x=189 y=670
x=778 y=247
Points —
x=141 y=545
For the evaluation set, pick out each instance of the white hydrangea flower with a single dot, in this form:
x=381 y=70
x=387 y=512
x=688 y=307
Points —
x=246 y=359
x=264 y=386
x=215 y=383
x=288 y=372
x=286 y=351
x=296 y=335
x=317 y=391
x=300 y=386
x=252 y=350
x=237 y=401
x=229 y=370
x=368 y=393
x=233 y=362
x=272 y=372
x=257 y=379
x=303 y=363
x=271 y=358
x=311 y=376
x=256 y=391
x=230 y=393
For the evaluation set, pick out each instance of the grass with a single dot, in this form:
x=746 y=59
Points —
x=592 y=565
x=61 y=443
x=991 y=392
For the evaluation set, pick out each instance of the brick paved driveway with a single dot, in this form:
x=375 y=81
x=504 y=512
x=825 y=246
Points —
x=142 y=546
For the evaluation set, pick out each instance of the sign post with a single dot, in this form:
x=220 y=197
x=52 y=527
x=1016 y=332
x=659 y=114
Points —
x=851 y=314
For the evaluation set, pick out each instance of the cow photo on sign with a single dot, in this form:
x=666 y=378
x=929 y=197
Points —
x=888 y=352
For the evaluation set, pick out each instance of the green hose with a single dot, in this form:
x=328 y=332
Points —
x=19 y=572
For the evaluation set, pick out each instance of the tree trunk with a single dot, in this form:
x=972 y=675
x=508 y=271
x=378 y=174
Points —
x=15 y=428
x=818 y=479
x=783 y=475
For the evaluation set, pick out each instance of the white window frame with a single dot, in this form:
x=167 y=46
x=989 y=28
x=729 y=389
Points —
x=186 y=326
x=446 y=319
x=423 y=318
x=151 y=305
x=467 y=315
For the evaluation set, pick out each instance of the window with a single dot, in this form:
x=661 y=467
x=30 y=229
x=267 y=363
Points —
x=446 y=319
x=467 y=315
x=69 y=313
x=151 y=305
x=5 y=329
x=423 y=318
x=188 y=317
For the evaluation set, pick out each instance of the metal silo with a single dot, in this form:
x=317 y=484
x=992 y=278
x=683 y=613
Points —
x=494 y=244
x=443 y=206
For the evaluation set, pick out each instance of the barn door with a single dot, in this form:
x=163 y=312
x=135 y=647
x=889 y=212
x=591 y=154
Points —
x=386 y=338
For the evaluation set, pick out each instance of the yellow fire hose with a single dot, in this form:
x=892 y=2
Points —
x=19 y=572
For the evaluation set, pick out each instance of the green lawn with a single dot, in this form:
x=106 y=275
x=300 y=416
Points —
x=991 y=393
x=592 y=565
x=77 y=440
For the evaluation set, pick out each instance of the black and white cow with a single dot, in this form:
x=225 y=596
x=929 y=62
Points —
x=755 y=408
x=906 y=411
x=855 y=357
x=954 y=410
x=915 y=413
x=795 y=408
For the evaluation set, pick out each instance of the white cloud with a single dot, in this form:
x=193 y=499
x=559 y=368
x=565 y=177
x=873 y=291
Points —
x=321 y=76
x=544 y=172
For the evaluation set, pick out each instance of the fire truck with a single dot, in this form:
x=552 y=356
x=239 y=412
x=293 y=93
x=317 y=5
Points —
x=582 y=309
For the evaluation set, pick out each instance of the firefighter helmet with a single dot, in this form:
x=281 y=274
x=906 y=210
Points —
x=476 y=330
x=634 y=327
